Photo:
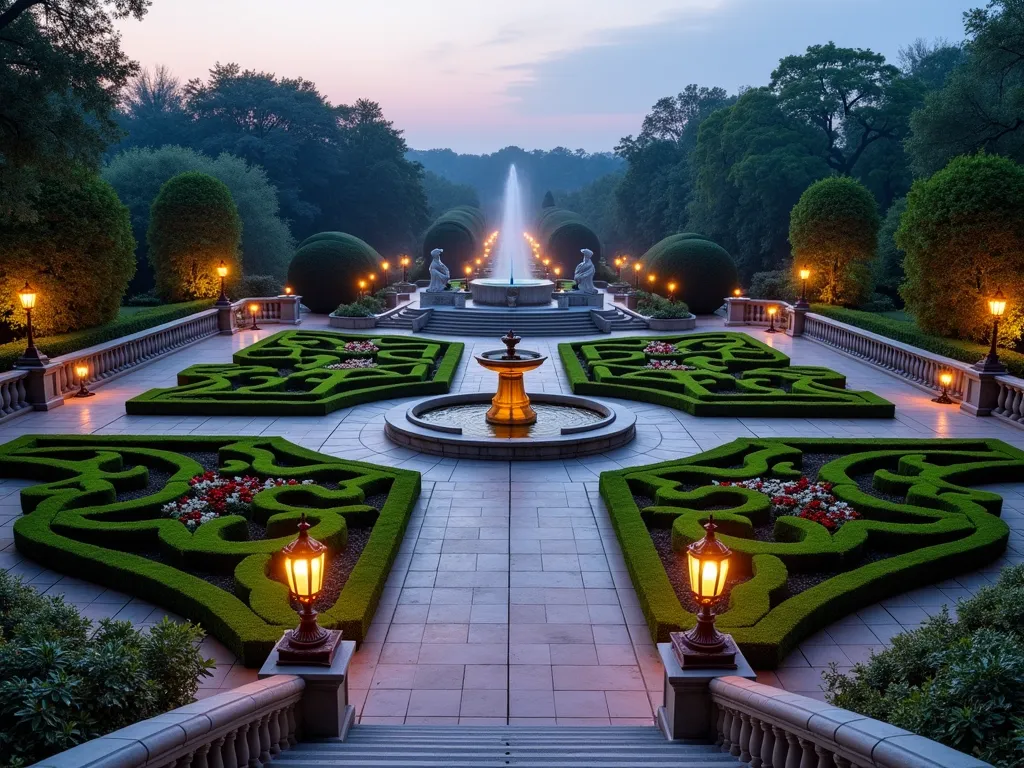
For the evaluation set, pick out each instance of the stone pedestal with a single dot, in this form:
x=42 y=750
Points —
x=444 y=299
x=326 y=713
x=568 y=299
x=42 y=388
x=687 y=711
x=291 y=309
x=631 y=301
x=981 y=391
x=225 y=318
x=798 y=318
x=735 y=307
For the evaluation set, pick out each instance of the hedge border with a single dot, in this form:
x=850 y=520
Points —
x=766 y=631
x=247 y=360
x=800 y=403
x=60 y=509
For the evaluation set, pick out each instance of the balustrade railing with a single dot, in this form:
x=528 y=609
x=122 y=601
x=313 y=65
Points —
x=766 y=727
x=1010 y=403
x=13 y=394
x=741 y=310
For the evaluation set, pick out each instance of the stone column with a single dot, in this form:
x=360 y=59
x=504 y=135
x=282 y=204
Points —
x=291 y=311
x=42 y=386
x=734 y=310
x=981 y=391
x=225 y=318
x=326 y=713
x=687 y=711
x=797 y=318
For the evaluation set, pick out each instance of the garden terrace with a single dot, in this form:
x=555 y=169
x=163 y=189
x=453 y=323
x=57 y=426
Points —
x=714 y=374
x=305 y=373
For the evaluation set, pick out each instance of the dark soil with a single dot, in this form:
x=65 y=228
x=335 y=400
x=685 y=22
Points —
x=158 y=477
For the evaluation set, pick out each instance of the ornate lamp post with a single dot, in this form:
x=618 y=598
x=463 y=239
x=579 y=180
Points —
x=636 y=275
x=384 y=267
x=945 y=379
x=547 y=268
x=254 y=310
x=651 y=280
x=82 y=372
x=305 y=561
x=671 y=292
x=479 y=266
x=618 y=269
x=708 y=566
x=404 y=261
x=222 y=273
x=772 y=311
x=468 y=270
x=558 y=274
x=362 y=288
x=32 y=356
x=804 y=274
x=373 y=282
x=991 y=363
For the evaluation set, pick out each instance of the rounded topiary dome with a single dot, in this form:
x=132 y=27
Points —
x=562 y=234
x=322 y=236
x=460 y=233
x=703 y=270
x=326 y=273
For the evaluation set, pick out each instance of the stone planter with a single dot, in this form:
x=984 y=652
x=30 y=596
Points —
x=675 y=324
x=353 y=322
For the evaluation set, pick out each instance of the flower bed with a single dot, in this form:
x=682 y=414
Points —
x=668 y=365
x=355 y=362
x=212 y=495
x=811 y=501
x=361 y=346
x=659 y=348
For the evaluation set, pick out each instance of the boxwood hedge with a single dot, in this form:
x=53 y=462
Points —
x=96 y=514
x=284 y=374
x=922 y=522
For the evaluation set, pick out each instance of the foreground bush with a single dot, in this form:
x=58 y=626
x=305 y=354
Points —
x=79 y=256
x=958 y=682
x=61 y=687
x=659 y=308
x=366 y=306
x=193 y=226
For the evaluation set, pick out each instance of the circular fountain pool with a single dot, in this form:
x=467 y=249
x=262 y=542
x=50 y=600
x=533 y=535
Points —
x=527 y=292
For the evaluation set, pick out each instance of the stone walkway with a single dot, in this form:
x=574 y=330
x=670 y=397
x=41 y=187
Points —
x=510 y=601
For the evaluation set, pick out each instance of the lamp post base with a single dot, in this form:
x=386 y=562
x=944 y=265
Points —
x=720 y=654
x=32 y=357
x=943 y=399
x=990 y=364
x=291 y=650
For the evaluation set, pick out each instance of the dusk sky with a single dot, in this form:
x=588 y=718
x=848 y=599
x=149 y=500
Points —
x=476 y=76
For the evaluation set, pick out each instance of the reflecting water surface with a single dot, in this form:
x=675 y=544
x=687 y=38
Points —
x=550 y=420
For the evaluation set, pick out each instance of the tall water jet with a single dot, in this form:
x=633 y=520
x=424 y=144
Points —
x=512 y=260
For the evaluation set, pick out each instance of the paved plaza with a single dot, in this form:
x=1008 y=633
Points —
x=510 y=601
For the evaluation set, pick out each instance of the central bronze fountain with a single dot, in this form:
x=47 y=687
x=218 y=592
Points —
x=510 y=405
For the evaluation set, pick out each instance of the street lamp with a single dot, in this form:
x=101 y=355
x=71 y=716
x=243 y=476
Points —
x=479 y=264
x=804 y=274
x=650 y=279
x=305 y=562
x=254 y=309
x=945 y=379
x=737 y=292
x=404 y=261
x=771 y=320
x=671 y=291
x=385 y=266
x=708 y=566
x=558 y=274
x=991 y=363
x=547 y=268
x=373 y=282
x=82 y=372
x=32 y=356
x=222 y=272
x=362 y=288
x=618 y=269
x=636 y=275
x=287 y=290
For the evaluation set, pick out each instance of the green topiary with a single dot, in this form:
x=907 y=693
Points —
x=79 y=256
x=326 y=272
x=193 y=226
x=703 y=270
x=963 y=234
x=251 y=286
x=330 y=235
x=460 y=232
x=562 y=234
x=833 y=230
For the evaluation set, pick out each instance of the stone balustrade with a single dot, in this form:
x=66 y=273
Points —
x=766 y=727
x=240 y=728
x=742 y=310
x=13 y=394
x=1010 y=401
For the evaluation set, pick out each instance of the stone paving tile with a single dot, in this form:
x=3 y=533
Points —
x=510 y=601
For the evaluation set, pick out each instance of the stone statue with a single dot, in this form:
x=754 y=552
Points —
x=438 y=273
x=584 y=274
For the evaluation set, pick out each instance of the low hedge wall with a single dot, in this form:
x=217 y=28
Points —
x=66 y=343
x=284 y=374
x=734 y=375
x=942 y=528
x=78 y=521
x=909 y=333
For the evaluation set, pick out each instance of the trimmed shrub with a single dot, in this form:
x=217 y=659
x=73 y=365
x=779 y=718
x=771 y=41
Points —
x=257 y=285
x=963 y=234
x=193 y=226
x=777 y=284
x=366 y=306
x=79 y=256
x=833 y=230
x=326 y=272
x=657 y=307
x=62 y=684
x=460 y=232
x=704 y=271
x=888 y=267
x=562 y=234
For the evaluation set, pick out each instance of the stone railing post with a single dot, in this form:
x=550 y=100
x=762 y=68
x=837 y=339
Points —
x=324 y=710
x=42 y=385
x=687 y=711
x=981 y=392
x=225 y=318
x=735 y=310
x=797 y=318
x=291 y=312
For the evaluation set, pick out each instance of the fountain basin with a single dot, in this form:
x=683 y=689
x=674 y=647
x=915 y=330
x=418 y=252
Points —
x=495 y=292
x=454 y=426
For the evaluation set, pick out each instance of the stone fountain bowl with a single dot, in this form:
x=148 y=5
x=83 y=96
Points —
x=492 y=291
x=525 y=360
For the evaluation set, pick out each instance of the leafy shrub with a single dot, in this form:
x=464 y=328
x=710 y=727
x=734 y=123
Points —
x=62 y=686
x=257 y=285
x=958 y=682
x=193 y=226
x=705 y=271
x=658 y=307
x=366 y=306
x=143 y=300
x=888 y=267
x=326 y=272
x=878 y=302
x=834 y=231
x=775 y=284
x=963 y=234
x=79 y=256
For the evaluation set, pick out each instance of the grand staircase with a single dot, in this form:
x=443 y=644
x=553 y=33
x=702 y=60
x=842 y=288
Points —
x=525 y=321
x=410 y=746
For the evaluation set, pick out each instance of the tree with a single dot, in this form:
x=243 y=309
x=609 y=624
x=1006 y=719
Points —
x=834 y=231
x=598 y=205
x=888 y=269
x=963 y=234
x=548 y=201
x=850 y=95
x=138 y=174
x=153 y=111
x=193 y=226
x=61 y=72
x=930 y=63
x=78 y=255
x=443 y=195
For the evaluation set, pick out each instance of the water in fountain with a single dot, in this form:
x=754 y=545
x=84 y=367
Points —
x=512 y=259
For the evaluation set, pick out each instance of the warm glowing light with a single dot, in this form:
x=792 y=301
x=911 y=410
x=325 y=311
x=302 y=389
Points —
x=651 y=279
x=222 y=270
x=558 y=271
x=708 y=566
x=468 y=270
x=385 y=266
x=737 y=292
x=254 y=308
x=772 y=311
x=304 y=565
x=638 y=266
x=479 y=262
x=671 y=287
x=362 y=284
x=81 y=370
x=373 y=277
x=946 y=378
x=997 y=304
x=27 y=296
x=546 y=262
x=804 y=273
x=287 y=290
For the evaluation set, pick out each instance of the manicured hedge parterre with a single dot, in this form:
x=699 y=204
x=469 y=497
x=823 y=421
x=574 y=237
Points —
x=735 y=375
x=938 y=527
x=95 y=516
x=284 y=374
